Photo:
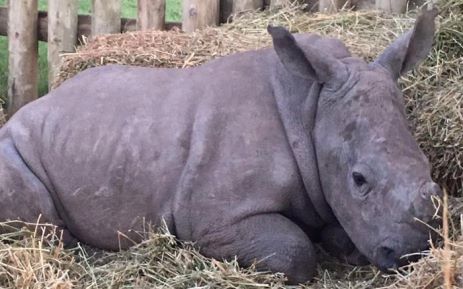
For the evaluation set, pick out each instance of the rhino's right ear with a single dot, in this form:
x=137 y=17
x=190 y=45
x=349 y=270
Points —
x=412 y=47
x=309 y=64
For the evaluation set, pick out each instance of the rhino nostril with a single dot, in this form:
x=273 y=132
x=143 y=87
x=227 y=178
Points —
x=386 y=252
x=387 y=259
x=424 y=195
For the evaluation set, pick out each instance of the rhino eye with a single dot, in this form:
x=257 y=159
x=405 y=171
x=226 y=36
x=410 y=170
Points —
x=359 y=179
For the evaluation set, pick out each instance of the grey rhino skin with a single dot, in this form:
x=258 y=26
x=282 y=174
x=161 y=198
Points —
x=257 y=155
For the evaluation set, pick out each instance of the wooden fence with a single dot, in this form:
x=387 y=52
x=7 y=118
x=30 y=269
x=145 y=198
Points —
x=61 y=27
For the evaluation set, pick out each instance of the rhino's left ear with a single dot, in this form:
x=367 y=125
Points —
x=412 y=47
x=311 y=63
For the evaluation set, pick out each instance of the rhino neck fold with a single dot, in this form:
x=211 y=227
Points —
x=297 y=100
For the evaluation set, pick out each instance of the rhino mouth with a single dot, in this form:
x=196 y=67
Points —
x=389 y=260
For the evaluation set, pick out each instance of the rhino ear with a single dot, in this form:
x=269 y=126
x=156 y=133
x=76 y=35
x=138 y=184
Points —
x=310 y=63
x=412 y=47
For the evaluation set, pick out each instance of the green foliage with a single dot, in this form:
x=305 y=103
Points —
x=174 y=10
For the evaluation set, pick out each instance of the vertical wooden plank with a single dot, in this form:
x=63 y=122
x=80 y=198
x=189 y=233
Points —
x=2 y=117
x=226 y=10
x=330 y=6
x=364 y=4
x=22 y=48
x=151 y=14
x=431 y=4
x=199 y=14
x=279 y=3
x=391 y=6
x=244 y=5
x=312 y=5
x=62 y=33
x=106 y=16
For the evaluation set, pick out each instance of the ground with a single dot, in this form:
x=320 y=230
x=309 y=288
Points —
x=129 y=8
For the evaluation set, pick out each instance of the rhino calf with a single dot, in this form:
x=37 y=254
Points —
x=256 y=155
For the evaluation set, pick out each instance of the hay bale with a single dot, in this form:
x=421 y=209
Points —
x=155 y=49
x=433 y=93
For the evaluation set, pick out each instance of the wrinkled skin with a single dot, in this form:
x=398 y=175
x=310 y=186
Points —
x=256 y=155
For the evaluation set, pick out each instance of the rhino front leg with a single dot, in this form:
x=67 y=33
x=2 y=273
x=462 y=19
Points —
x=335 y=240
x=271 y=240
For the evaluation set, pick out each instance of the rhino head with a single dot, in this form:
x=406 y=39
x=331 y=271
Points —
x=373 y=174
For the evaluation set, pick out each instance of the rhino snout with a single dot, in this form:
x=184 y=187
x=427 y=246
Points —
x=390 y=257
x=389 y=260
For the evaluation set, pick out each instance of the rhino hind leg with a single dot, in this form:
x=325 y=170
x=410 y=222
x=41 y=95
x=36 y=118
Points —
x=24 y=199
x=271 y=241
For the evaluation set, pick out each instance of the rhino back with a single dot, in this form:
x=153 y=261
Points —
x=117 y=146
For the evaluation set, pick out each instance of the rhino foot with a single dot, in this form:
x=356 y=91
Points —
x=337 y=243
x=270 y=241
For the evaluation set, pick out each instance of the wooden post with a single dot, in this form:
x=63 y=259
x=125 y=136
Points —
x=22 y=48
x=432 y=4
x=391 y=6
x=330 y=6
x=363 y=4
x=199 y=14
x=62 y=33
x=279 y=3
x=244 y=5
x=2 y=117
x=106 y=17
x=226 y=10
x=151 y=14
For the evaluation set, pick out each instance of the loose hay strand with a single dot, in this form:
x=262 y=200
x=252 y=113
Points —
x=447 y=267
